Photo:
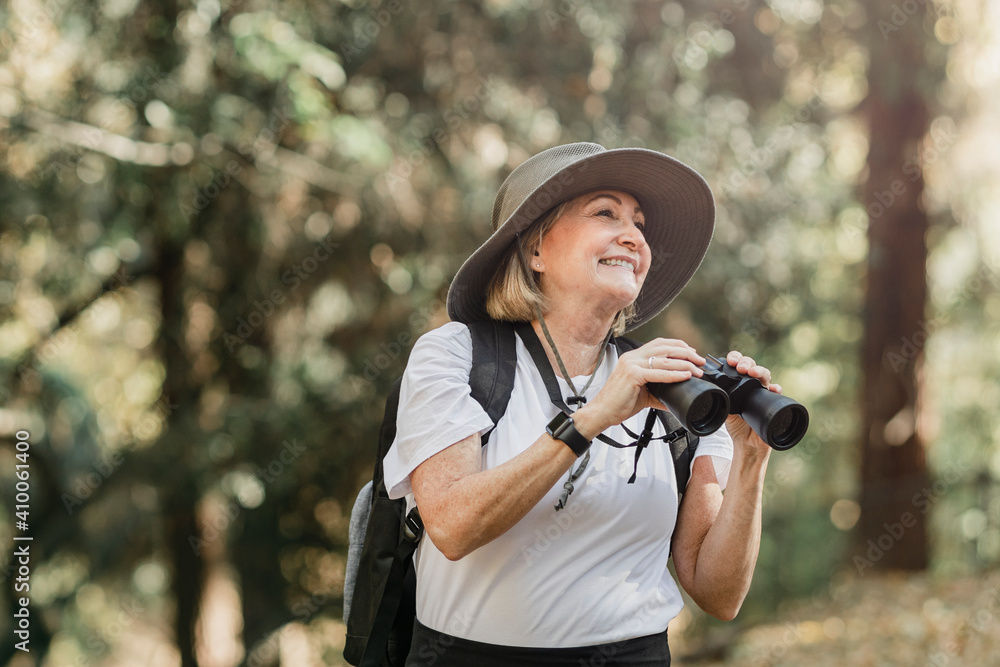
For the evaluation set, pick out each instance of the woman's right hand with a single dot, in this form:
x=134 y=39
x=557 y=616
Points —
x=624 y=394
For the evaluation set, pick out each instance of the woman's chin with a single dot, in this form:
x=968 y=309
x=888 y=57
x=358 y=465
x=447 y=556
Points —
x=625 y=291
x=615 y=300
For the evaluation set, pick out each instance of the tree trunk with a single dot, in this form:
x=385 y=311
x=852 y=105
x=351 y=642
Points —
x=893 y=525
x=181 y=524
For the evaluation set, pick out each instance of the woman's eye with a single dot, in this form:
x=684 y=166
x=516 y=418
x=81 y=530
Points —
x=641 y=226
x=606 y=212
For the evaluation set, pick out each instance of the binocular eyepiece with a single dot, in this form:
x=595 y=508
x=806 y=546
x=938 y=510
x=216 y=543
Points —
x=702 y=404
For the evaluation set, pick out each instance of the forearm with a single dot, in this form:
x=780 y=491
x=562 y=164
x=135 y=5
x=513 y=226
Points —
x=471 y=511
x=728 y=554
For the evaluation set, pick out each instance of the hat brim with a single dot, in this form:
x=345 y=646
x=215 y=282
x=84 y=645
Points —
x=679 y=212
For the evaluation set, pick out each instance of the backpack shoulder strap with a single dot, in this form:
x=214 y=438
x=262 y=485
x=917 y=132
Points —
x=386 y=435
x=494 y=363
x=682 y=448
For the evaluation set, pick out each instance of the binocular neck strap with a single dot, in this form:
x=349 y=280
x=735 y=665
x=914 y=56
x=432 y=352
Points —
x=642 y=441
x=537 y=352
x=578 y=396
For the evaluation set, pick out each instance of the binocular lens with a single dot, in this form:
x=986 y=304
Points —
x=701 y=406
x=705 y=410
x=778 y=419
x=700 y=409
x=787 y=427
x=780 y=423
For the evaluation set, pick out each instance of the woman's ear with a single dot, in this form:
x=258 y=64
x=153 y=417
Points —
x=536 y=262
x=536 y=258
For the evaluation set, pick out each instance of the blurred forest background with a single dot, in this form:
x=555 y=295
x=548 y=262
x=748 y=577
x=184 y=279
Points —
x=224 y=222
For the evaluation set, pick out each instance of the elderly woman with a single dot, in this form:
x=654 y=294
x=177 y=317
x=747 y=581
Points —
x=588 y=243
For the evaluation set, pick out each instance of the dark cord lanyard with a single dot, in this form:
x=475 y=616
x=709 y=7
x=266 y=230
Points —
x=537 y=352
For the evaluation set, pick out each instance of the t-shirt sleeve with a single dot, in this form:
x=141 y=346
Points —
x=719 y=446
x=436 y=408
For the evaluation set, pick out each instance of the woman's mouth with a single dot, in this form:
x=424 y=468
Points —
x=618 y=262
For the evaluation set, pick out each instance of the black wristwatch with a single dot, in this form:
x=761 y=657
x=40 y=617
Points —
x=563 y=428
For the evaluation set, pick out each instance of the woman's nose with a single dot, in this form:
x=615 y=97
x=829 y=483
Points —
x=632 y=237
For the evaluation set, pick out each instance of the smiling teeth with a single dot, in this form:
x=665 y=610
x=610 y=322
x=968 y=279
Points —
x=617 y=262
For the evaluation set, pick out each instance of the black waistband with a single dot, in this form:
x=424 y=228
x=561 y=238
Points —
x=431 y=648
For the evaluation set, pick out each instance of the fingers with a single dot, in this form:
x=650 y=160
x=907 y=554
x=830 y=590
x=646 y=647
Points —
x=665 y=375
x=671 y=348
x=674 y=360
x=748 y=366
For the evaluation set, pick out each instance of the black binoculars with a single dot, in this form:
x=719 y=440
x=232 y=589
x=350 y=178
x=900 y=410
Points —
x=702 y=404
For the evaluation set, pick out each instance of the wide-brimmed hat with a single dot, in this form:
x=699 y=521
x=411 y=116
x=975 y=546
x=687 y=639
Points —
x=676 y=201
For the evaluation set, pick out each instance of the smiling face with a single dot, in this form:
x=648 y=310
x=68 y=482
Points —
x=595 y=252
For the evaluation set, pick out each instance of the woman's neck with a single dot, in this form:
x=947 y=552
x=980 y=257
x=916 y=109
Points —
x=578 y=337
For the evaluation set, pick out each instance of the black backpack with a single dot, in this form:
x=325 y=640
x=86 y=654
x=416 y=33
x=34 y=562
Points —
x=382 y=599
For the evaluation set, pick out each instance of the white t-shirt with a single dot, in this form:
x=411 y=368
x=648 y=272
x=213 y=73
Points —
x=591 y=573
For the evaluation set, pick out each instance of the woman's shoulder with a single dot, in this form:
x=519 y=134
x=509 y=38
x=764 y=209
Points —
x=447 y=345
x=450 y=334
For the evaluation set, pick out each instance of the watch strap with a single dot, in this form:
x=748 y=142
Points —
x=563 y=428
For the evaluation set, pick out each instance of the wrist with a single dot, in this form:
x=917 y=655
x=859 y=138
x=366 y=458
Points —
x=750 y=462
x=589 y=422
x=563 y=428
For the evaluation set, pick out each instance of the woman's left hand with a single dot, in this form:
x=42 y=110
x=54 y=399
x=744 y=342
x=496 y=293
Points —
x=735 y=424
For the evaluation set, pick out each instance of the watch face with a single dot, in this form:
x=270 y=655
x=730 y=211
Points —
x=557 y=423
x=562 y=428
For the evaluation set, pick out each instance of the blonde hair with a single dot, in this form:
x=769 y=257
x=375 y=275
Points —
x=514 y=294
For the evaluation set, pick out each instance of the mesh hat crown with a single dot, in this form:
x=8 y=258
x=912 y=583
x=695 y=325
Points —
x=677 y=204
